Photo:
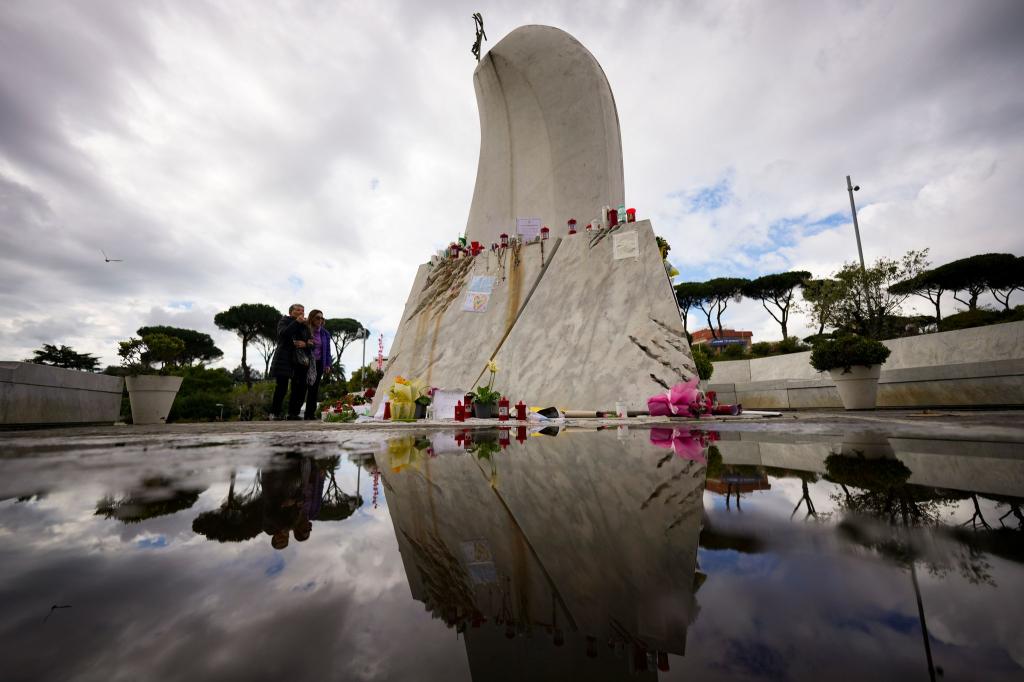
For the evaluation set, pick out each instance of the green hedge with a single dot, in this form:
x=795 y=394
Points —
x=847 y=351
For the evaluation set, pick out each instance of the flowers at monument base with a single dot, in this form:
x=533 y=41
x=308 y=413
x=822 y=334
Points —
x=404 y=394
x=683 y=399
x=486 y=395
x=340 y=411
x=685 y=443
x=406 y=451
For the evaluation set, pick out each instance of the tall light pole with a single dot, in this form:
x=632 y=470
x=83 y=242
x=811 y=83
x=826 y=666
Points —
x=856 y=228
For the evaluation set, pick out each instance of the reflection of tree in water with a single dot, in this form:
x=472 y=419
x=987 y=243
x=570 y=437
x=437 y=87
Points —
x=880 y=490
x=157 y=496
x=337 y=505
x=445 y=582
x=239 y=517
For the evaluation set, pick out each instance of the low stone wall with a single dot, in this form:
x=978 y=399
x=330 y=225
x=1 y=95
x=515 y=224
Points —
x=40 y=394
x=983 y=366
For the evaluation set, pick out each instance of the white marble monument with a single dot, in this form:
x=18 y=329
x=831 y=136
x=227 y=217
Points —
x=573 y=321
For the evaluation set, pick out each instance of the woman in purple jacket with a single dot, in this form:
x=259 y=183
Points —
x=321 y=342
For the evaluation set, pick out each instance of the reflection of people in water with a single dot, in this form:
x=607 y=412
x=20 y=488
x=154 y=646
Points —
x=292 y=497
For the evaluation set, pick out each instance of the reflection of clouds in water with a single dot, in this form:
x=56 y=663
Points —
x=835 y=612
x=199 y=609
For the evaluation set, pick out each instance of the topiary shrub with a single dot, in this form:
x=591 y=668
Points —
x=846 y=351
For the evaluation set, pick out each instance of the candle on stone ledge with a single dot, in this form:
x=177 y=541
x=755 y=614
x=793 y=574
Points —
x=504 y=240
x=572 y=226
x=545 y=233
x=630 y=215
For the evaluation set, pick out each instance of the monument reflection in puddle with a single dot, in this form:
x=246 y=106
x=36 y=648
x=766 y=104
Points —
x=564 y=556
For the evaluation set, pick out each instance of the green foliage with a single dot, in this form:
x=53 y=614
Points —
x=485 y=395
x=846 y=351
x=817 y=338
x=704 y=367
x=139 y=356
x=973 y=275
x=372 y=376
x=344 y=330
x=980 y=318
x=927 y=284
x=65 y=357
x=202 y=389
x=199 y=347
x=764 y=349
x=718 y=293
x=689 y=295
x=249 y=320
x=1005 y=277
x=822 y=297
x=734 y=351
x=867 y=298
x=251 y=403
x=332 y=392
x=775 y=292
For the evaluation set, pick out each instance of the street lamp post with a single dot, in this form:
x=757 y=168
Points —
x=362 y=368
x=851 y=188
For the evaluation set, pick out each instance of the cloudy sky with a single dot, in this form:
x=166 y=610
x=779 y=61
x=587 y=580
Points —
x=318 y=151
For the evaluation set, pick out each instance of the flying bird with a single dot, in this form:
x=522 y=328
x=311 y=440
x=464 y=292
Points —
x=54 y=607
x=110 y=260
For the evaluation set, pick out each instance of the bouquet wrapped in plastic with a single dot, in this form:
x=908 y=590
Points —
x=684 y=399
x=403 y=394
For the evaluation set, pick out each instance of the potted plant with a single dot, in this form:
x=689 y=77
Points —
x=485 y=398
x=422 y=402
x=151 y=388
x=855 y=364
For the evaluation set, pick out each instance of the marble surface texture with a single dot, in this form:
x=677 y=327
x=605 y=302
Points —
x=581 y=333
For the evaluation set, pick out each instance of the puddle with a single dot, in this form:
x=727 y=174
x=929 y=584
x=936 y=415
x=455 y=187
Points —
x=510 y=554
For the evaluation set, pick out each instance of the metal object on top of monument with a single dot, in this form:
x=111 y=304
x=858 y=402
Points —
x=577 y=323
x=549 y=134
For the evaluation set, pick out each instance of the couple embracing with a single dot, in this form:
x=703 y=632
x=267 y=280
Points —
x=302 y=358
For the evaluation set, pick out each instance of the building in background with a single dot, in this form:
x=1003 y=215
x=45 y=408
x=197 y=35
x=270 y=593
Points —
x=726 y=337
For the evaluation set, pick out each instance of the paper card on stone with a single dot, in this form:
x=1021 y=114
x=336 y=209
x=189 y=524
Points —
x=481 y=284
x=475 y=302
x=444 y=403
x=625 y=245
x=528 y=228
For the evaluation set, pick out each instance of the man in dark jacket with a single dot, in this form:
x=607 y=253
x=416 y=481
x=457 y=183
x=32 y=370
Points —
x=292 y=344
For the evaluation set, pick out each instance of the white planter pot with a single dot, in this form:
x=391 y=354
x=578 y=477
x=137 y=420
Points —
x=858 y=388
x=151 y=397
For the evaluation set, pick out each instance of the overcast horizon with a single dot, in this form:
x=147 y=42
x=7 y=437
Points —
x=202 y=142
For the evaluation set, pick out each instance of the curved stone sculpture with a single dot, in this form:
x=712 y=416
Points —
x=573 y=322
x=550 y=146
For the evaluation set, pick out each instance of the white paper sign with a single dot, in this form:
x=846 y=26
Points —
x=625 y=245
x=444 y=403
x=528 y=228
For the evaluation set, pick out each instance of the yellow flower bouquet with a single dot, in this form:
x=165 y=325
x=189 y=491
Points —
x=403 y=394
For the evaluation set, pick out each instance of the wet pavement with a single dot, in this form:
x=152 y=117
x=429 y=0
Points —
x=827 y=546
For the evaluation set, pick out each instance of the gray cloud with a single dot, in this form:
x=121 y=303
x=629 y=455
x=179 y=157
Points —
x=219 y=150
